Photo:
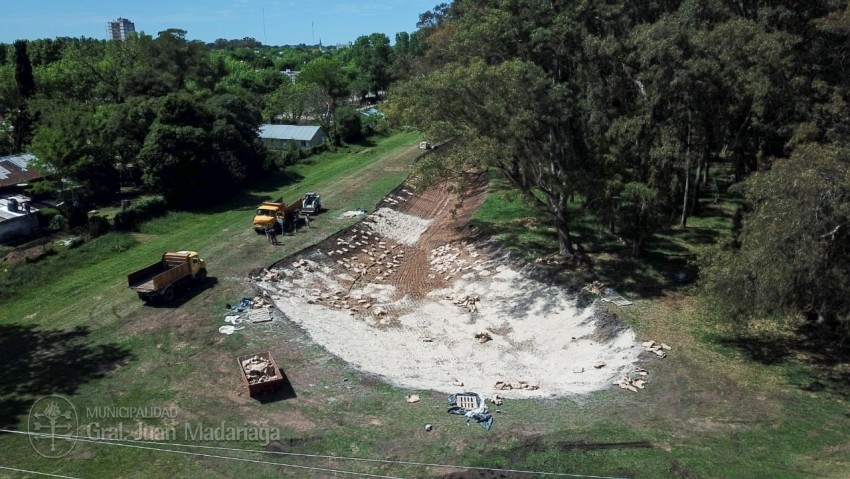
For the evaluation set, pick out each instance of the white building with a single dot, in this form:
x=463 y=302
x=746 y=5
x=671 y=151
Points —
x=279 y=137
x=17 y=217
x=119 y=29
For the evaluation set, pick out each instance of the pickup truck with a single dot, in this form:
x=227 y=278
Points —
x=270 y=211
x=161 y=279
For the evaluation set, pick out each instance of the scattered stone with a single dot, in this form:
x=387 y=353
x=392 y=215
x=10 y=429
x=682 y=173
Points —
x=412 y=398
x=657 y=348
x=502 y=386
x=483 y=337
x=596 y=287
x=467 y=301
x=627 y=382
x=429 y=427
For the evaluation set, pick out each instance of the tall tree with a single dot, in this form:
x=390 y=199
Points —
x=329 y=75
x=23 y=71
x=793 y=251
x=67 y=144
x=26 y=89
x=372 y=55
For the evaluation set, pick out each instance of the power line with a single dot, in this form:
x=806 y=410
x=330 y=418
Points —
x=211 y=456
x=386 y=461
x=320 y=456
x=36 y=472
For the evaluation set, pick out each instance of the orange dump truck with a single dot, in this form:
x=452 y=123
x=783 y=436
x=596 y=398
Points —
x=163 y=278
x=269 y=212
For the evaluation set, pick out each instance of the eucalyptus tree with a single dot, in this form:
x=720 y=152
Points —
x=507 y=87
x=792 y=253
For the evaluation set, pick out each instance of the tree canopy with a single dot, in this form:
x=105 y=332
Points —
x=620 y=109
x=617 y=105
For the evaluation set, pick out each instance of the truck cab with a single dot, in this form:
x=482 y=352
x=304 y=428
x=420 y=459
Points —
x=196 y=264
x=267 y=214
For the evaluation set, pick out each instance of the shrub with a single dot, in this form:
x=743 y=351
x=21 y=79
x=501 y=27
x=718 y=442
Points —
x=142 y=210
x=151 y=207
x=46 y=215
x=58 y=223
x=98 y=226
x=77 y=217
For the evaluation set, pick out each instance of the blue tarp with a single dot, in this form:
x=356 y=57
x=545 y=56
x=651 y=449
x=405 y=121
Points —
x=479 y=414
x=243 y=305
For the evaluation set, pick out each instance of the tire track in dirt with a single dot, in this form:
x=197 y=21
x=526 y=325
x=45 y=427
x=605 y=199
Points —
x=415 y=277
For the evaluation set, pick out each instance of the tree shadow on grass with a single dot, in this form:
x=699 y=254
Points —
x=818 y=363
x=39 y=362
x=249 y=200
x=667 y=261
x=184 y=294
x=284 y=392
x=512 y=458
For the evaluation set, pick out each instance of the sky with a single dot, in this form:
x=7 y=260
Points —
x=272 y=22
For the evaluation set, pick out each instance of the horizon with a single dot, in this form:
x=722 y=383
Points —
x=271 y=22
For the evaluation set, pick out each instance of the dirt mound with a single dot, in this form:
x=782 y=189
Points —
x=407 y=294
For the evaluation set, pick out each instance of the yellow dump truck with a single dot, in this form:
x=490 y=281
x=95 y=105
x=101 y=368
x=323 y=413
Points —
x=162 y=279
x=269 y=212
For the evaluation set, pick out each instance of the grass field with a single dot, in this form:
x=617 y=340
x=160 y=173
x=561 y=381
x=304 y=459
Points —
x=73 y=328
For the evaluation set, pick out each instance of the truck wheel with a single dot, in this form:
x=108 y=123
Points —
x=201 y=276
x=168 y=294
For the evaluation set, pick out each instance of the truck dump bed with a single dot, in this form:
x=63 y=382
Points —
x=294 y=207
x=173 y=267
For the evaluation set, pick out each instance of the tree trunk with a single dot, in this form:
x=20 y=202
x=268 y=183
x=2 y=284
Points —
x=565 y=242
x=699 y=181
x=637 y=244
x=738 y=161
x=686 y=195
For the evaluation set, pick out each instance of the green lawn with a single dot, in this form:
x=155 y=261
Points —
x=74 y=328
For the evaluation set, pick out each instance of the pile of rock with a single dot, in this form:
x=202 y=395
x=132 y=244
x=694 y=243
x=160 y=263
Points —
x=467 y=301
x=270 y=276
x=503 y=386
x=446 y=259
x=630 y=383
x=258 y=370
x=483 y=337
x=304 y=265
x=596 y=287
x=260 y=302
x=450 y=259
x=659 y=349
x=343 y=301
x=363 y=252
